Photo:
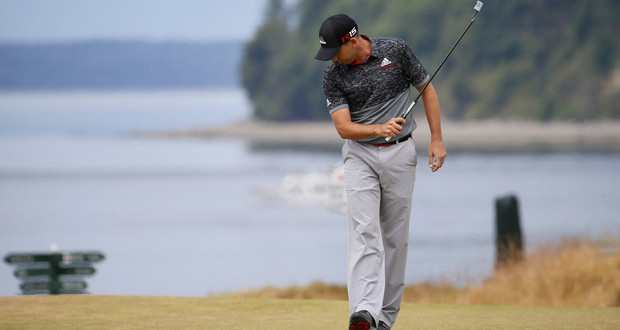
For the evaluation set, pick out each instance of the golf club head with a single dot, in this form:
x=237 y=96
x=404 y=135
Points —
x=478 y=6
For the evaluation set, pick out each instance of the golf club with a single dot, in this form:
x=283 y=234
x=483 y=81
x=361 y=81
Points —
x=477 y=8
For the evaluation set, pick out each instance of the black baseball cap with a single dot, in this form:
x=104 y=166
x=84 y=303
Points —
x=335 y=31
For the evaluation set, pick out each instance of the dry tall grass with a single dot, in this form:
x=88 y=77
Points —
x=574 y=273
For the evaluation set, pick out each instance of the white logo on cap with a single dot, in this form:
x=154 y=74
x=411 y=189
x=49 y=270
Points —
x=322 y=41
x=353 y=32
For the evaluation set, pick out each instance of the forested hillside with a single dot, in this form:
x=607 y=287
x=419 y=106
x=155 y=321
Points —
x=522 y=59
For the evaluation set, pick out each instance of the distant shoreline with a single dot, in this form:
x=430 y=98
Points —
x=468 y=136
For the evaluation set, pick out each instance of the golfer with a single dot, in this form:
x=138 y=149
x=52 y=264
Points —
x=367 y=88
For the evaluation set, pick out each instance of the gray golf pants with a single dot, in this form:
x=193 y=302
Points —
x=379 y=183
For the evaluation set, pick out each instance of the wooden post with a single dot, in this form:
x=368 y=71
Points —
x=508 y=238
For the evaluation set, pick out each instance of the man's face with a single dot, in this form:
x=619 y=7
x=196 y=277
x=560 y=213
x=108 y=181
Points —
x=346 y=55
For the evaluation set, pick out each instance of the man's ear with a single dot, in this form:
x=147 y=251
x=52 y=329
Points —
x=353 y=42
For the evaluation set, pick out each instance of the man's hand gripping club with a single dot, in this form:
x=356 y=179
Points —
x=391 y=128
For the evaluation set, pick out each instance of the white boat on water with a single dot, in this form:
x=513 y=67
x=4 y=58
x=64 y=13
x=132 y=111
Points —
x=310 y=189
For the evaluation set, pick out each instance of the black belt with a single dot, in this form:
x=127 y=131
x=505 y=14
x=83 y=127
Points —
x=389 y=143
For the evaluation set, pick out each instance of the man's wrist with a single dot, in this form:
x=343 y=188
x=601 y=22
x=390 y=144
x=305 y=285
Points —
x=436 y=139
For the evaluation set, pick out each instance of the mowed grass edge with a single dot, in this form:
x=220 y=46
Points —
x=138 y=312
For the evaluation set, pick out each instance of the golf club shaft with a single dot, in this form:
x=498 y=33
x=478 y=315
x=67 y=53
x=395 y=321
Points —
x=415 y=101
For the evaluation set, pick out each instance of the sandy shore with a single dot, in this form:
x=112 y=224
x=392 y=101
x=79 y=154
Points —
x=472 y=136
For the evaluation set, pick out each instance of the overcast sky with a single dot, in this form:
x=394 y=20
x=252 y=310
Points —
x=70 y=20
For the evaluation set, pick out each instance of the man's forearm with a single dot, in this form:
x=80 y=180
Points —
x=355 y=131
x=436 y=150
x=433 y=113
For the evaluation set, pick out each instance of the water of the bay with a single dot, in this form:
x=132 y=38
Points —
x=183 y=217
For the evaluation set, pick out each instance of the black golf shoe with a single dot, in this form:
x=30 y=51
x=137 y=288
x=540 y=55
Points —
x=361 y=320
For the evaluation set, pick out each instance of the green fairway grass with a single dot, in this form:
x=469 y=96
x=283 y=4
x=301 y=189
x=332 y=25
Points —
x=139 y=312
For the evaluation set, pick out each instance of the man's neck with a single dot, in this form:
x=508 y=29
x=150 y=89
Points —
x=364 y=51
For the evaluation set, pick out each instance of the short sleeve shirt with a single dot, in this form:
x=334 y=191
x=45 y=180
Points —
x=378 y=89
